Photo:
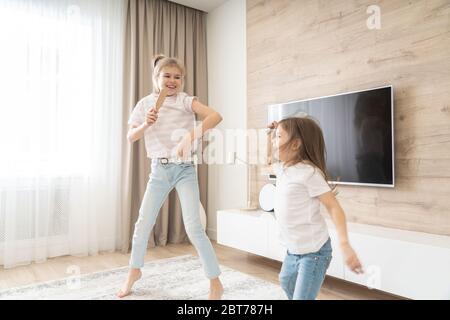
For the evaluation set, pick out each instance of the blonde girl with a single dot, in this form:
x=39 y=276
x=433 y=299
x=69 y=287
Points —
x=169 y=135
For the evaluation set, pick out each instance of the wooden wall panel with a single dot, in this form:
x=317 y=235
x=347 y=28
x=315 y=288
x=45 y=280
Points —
x=301 y=49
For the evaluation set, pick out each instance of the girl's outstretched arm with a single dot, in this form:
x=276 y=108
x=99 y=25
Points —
x=338 y=216
x=211 y=118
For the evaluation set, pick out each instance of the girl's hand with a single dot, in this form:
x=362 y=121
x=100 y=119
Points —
x=351 y=259
x=273 y=125
x=151 y=116
x=184 y=147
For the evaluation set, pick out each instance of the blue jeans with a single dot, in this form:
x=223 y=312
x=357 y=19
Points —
x=163 y=178
x=302 y=275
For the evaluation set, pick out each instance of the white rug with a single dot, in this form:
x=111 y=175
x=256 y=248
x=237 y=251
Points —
x=179 y=278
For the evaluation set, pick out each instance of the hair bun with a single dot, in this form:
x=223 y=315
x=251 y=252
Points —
x=157 y=58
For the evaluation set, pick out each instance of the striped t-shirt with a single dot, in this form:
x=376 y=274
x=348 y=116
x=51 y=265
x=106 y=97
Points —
x=175 y=120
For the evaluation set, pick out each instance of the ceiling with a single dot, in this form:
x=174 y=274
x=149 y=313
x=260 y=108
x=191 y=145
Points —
x=204 y=5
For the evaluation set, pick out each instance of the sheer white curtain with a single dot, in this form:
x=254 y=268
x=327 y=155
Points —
x=60 y=127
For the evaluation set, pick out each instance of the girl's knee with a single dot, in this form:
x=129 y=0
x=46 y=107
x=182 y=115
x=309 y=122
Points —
x=195 y=232
x=286 y=284
x=284 y=280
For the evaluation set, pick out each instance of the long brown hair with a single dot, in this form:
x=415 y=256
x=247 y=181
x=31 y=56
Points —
x=312 y=148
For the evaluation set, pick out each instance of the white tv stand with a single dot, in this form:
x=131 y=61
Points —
x=411 y=264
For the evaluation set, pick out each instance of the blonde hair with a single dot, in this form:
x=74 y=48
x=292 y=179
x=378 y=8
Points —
x=160 y=61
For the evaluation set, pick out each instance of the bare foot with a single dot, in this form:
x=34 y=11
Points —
x=215 y=290
x=133 y=276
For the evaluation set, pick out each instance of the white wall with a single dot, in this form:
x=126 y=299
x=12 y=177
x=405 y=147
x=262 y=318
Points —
x=227 y=87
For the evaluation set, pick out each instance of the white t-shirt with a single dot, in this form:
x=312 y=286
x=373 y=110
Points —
x=302 y=228
x=175 y=119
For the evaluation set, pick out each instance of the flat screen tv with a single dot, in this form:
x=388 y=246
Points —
x=358 y=130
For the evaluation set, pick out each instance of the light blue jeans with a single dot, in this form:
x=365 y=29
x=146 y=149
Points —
x=302 y=275
x=163 y=178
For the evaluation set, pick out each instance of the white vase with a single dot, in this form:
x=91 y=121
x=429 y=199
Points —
x=267 y=197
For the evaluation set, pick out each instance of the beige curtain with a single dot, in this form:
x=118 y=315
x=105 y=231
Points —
x=156 y=26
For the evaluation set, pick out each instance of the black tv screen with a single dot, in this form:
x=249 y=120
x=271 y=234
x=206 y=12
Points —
x=358 y=132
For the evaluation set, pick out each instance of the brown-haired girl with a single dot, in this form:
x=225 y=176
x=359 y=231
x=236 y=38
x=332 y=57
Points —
x=300 y=188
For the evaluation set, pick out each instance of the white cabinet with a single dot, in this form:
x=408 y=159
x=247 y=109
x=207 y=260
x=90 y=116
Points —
x=410 y=264
x=247 y=232
x=403 y=268
x=274 y=248
x=336 y=268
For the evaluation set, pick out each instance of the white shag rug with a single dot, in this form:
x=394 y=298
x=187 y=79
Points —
x=178 y=278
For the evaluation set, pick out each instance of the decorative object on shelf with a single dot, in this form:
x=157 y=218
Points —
x=232 y=157
x=267 y=197
x=270 y=137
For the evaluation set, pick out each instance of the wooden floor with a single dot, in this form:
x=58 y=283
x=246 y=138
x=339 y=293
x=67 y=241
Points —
x=56 y=268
